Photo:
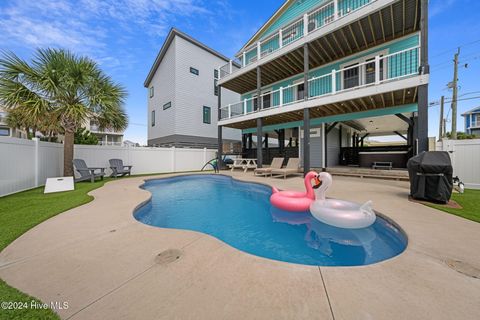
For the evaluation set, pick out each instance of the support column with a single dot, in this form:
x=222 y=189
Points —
x=306 y=141
x=267 y=151
x=306 y=114
x=220 y=133
x=259 y=88
x=422 y=121
x=259 y=142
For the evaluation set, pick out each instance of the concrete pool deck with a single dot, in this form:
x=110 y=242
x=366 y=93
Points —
x=105 y=264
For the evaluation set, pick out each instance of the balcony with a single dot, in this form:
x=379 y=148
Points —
x=320 y=17
x=96 y=129
x=376 y=71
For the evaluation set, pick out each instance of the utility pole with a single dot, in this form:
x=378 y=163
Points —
x=454 y=96
x=440 y=128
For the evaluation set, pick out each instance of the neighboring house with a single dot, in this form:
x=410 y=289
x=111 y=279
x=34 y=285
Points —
x=5 y=130
x=105 y=136
x=472 y=121
x=329 y=74
x=183 y=95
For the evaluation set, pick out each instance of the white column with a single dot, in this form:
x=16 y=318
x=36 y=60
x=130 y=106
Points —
x=230 y=67
x=244 y=59
x=219 y=74
x=36 y=162
x=204 y=155
x=377 y=69
x=229 y=111
x=280 y=36
x=334 y=81
x=335 y=9
x=281 y=97
x=305 y=24
x=259 y=50
x=244 y=106
x=173 y=159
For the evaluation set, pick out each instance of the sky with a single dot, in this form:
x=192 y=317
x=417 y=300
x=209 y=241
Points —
x=124 y=37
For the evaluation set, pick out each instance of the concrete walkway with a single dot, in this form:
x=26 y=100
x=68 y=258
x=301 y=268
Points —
x=106 y=265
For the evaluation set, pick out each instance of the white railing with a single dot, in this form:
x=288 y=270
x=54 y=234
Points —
x=475 y=124
x=96 y=129
x=376 y=70
x=309 y=22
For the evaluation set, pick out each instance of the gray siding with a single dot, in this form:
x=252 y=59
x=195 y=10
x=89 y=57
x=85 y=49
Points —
x=333 y=147
x=188 y=93
x=164 y=91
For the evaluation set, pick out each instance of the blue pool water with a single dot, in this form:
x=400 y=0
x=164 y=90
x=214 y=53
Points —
x=240 y=214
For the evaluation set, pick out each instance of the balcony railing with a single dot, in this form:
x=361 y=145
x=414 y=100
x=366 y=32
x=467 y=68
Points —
x=377 y=70
x=96 y=129
x=309 y=22
x=475 y=124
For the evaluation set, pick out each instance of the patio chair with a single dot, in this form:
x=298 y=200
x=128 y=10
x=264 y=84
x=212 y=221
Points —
x=118 y=168
x=87 y=173
x=276 y=164
x=292 y=168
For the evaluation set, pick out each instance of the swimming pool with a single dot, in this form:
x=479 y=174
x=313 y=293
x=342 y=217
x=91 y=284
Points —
x=240 y=214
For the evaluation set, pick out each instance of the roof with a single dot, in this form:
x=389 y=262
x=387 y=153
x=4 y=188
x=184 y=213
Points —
x=171 y=35
x=267 y=24
x=474 y=110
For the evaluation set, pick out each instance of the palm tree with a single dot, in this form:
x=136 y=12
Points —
x=69 y=88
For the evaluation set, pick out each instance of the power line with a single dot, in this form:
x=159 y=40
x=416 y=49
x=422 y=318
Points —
x=436 y=103
x=461 y=45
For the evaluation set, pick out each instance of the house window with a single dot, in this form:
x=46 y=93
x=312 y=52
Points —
x=206 y=115
x=370 y=70
x=266 y=100
x=151 y=92
x=215 y=82
x=167 y=105
x=4 y=132
x=301 y=91
x=351 y=76
x=153 y=118
x=194 y=71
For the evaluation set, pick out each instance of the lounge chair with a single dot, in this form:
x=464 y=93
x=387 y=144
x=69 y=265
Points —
x=276 y=164
x=87 y=173
x=118 y=169
x=292 y=168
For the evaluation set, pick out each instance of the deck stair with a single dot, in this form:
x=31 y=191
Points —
x=394 y=174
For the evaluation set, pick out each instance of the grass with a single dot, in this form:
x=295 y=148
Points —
x=470 y=202
x=24 y=210
x=21 y=212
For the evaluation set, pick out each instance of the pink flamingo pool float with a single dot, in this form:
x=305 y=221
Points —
x=294 y=200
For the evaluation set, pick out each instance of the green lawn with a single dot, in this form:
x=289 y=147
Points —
x=470 y=202
x=21 y=212
x=24 y=210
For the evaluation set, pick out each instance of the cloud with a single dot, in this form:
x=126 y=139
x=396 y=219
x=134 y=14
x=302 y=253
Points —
x=85 y=25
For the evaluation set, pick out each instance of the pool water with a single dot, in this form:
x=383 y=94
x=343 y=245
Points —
x=240 y=214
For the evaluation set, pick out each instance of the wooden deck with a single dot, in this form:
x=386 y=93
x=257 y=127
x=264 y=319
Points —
x=394 y=174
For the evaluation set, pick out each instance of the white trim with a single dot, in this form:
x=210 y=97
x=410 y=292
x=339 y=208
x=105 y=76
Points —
x=336 y=24
x=354 y=56
x=362 y=67
x=365 y=91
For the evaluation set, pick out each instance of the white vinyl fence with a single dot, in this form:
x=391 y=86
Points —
x=26 y=164
x=465 y=156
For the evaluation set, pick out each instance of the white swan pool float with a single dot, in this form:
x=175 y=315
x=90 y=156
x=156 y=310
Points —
x=340 y=213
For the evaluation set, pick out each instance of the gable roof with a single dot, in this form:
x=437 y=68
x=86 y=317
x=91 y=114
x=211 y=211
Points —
x=171 y=35
x=267 y=24
x=474 y=110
